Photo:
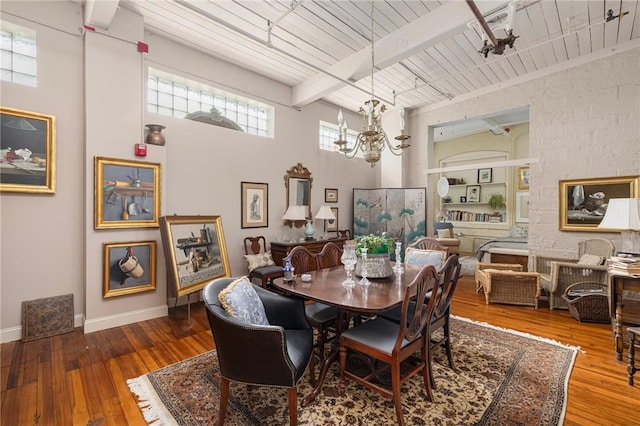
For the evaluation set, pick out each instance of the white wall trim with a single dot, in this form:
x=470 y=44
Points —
x=125 y=318
x=15 y=333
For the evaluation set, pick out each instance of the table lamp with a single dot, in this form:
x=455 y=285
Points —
x=325 y=214
x=294 y=216
x=624 y=214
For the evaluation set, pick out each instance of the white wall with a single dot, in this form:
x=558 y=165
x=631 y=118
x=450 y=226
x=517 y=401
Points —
x=583 y=124
x=93 y=84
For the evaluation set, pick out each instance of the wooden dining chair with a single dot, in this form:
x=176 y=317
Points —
x=259 y=261
x=394 y=344
x=322 y=317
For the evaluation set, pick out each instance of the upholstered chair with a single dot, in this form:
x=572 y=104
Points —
x=259 y=261
x=275 y=354
x=443 y=232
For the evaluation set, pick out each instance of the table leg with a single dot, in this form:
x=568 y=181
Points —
x=618 y=328
x=632 y=351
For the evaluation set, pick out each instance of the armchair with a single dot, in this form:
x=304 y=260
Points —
x=556 y=274
x=273 y=355
x=443 y=232
x=507 y=283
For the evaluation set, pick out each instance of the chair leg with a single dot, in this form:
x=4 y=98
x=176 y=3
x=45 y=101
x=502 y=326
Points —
x=426 y=373
x=447 y=343
x=343 y=365
x=395 y=388
x=293 y=406
x=224 y=397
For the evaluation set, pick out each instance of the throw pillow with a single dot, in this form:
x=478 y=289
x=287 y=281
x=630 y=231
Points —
x=240 y=300
x=445 y=233
x=591 y=259
x=418 y=257
x=257 y=260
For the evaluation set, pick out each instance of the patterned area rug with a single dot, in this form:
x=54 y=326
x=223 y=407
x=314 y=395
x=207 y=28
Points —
x=502 y=378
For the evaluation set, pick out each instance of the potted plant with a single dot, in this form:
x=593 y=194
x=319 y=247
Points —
x=496 y=202
x=379 y=247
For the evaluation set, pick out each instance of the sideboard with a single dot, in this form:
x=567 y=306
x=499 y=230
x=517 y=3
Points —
x=280 y=250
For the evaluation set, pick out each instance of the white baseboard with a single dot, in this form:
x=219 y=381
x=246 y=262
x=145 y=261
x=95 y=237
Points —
x=111 y=321
x=15 y=333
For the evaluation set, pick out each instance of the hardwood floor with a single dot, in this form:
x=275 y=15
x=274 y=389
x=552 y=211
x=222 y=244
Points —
x=78 y=379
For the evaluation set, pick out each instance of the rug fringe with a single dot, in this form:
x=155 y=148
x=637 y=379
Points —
x=152 y=408
x=519 y=333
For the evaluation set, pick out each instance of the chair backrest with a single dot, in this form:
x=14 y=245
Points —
x=597 y=247
x=443 y=225
x=449 y=274
x=302 y=260
x=429 y=243
x=413 y=321
x=344 y=233
x=422 y=257
x=329 y=256
x=255 y=245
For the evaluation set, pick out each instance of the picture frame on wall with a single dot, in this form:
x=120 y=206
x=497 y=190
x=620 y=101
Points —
x=330 y=195
x=332 y=224
x=195 y=252
x=128 y=267
x=583 y=202
x=27 y=151
x=473 y=193
x=127 y=194
x=523 y=178
x=522 y=206
x=485 y=175
x=254 y=205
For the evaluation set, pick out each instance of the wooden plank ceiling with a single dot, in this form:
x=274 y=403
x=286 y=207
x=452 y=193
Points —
x=425 y=51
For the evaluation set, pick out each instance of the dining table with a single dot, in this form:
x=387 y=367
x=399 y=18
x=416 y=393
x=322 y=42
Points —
x=325 y=286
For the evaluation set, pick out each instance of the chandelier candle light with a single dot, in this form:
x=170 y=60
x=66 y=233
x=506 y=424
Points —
x=372 y=140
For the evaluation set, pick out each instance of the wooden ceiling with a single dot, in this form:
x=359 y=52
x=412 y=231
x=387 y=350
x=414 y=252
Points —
x=425 y=51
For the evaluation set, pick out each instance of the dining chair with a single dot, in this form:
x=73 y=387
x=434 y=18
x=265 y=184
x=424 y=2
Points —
x=394 y=344
x=322 y=317
x=275 y=354
x=429 y=243
x=259 y=260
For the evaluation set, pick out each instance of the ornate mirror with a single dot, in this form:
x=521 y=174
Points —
x=297 y=182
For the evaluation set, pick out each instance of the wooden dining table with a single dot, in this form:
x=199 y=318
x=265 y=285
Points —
x=326 y=287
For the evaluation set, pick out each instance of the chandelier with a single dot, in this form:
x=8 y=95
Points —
x=372 y=139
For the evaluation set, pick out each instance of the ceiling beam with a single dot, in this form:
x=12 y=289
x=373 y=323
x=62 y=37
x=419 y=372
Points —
x=426 y=31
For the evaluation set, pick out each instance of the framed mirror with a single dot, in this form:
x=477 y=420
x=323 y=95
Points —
x=297 y=182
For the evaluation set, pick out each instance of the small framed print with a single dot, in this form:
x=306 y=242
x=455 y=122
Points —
x=523 y=178
x=522 y=206
x=473 y=193
x=129 y=267
x=463 y=199
x=332 y=224
x=255 y=205
x=484 y=175
x=330 y=195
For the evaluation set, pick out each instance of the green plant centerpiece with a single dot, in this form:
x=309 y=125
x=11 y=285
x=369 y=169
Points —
x=379 y=247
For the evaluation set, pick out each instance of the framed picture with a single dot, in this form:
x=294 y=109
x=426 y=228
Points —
x=473 y=193
x=195 y=252
x=27 y=151
x=583 y=202
x=330 y=195
x=129 y=267
x=255 y=204
x=127 y=194
x=332 y=224
x=463 y=199
x=523 y=178
x=484 y=175
x=522 y=206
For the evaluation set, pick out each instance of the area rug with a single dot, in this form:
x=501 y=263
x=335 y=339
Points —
x=502 y=377
x=468 y=265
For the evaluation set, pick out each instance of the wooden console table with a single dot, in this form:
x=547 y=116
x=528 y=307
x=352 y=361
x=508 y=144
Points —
x=617 y=284
x=280 y=250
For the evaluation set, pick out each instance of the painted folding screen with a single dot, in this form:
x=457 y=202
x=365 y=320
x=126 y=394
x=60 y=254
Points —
x=401 y=213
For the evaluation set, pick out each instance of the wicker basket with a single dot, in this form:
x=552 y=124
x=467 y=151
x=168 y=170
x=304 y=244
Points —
x=588 y=302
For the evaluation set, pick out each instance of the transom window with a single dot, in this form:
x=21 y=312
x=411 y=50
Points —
x=18 y=62
x=329 y=134
x=169 y=94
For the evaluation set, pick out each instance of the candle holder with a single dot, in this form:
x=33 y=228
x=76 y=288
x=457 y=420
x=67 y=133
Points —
x=397 y=268
x=364 y=281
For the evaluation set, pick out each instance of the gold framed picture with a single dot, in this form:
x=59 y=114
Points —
x=583 y=202
x=27 y=152
x=129 y=267
x=127 y=194
x=523 y=178
x=195 y=252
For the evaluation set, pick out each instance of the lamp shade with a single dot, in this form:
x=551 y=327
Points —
x=325 y=213
x=294 y=213
x=622 y=213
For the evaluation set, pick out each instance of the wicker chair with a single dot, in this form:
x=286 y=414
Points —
x=508 y=286
x=556 y=274
x=480 y=276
